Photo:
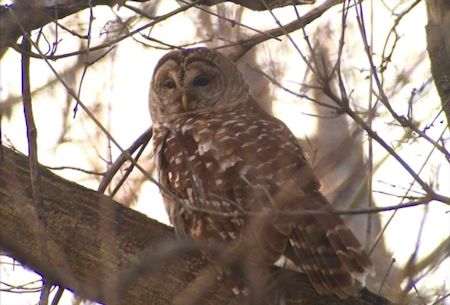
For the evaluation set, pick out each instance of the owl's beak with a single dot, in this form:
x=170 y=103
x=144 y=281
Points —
x=185 y=101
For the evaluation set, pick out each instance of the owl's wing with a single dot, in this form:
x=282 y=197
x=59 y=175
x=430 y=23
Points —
x=328 y=252
x=273 y=161
x=246 y=160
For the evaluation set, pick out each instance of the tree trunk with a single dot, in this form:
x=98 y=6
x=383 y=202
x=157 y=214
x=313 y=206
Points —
x=438 y=41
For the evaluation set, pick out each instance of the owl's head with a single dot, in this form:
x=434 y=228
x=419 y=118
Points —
x=191 y=80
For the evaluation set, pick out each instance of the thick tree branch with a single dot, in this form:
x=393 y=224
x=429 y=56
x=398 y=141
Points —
x=246 y=44
x=30 y=15
x=94 y=244
x=92 y=240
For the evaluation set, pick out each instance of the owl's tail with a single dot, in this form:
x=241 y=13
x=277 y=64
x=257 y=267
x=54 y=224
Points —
x=328 y=252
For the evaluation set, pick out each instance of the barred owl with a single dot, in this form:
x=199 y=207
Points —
x=219 y=153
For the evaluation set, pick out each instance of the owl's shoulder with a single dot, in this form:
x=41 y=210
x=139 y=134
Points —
x=241 y=130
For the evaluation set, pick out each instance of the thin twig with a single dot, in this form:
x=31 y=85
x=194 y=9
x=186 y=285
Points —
x=33 y=147
x=86 y=171
x=45 y=293
x=386 y=275
x=87 y=64
x=438 y=301
x=402 y=120
x=58 y=295
x=72 y=93
x=410 y=265
x=393 y=31
x=299 y=95
x=107 y=178
x=112 y=42
x=381 y=233
x=370 y=171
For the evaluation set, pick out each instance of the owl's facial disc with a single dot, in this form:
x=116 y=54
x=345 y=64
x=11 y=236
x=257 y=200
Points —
x=192 y=80
x=188 y=86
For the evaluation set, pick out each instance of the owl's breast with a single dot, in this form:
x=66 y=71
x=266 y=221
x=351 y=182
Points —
x=226 y=163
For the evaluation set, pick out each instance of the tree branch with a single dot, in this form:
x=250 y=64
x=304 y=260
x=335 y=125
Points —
x=248 y=43
x=94 y=244
x=32 y=15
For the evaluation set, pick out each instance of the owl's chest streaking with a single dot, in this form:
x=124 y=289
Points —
x=229 y=162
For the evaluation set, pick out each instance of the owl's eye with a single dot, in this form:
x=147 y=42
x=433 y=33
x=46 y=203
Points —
x=201 y=80
x=169 y=84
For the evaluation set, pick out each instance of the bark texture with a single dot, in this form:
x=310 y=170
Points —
x=438 y=41
x=100 y=249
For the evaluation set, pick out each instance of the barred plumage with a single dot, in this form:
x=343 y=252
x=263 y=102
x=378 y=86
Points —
x=217 y=150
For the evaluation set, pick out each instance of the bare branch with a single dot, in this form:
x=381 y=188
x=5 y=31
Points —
x=247 y=44
x=142 y=141
x=31 y=17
